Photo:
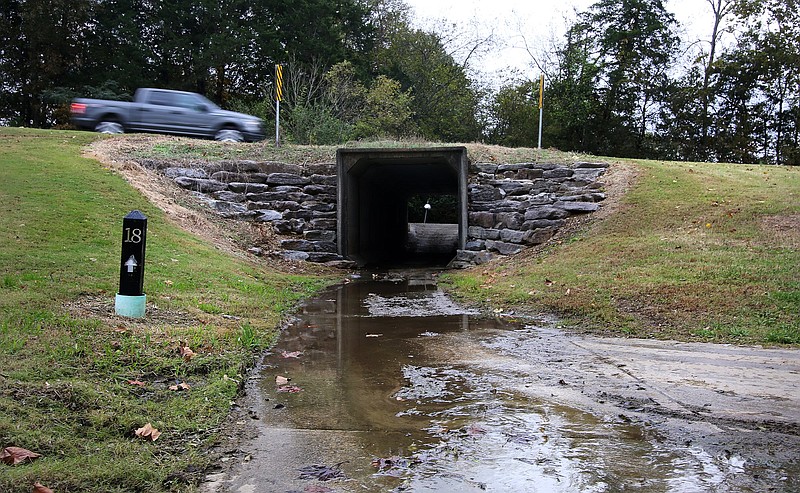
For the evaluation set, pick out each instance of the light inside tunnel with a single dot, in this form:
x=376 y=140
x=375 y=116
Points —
x=376 y=189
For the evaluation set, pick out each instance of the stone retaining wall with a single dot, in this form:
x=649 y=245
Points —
x=510 y=206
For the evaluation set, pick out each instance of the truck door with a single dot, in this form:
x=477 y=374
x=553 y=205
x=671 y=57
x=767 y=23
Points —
x=173 y=112
x=192 y=114
x=154 y=113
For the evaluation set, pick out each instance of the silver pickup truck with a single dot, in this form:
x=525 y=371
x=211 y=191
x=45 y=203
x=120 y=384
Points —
x=169 y=112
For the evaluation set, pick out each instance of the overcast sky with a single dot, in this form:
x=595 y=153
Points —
x=536 y=19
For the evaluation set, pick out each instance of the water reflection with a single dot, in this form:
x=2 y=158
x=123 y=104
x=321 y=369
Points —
x=370 y=393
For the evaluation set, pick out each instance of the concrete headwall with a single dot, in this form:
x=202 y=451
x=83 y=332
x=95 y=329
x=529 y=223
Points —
x=510 y=206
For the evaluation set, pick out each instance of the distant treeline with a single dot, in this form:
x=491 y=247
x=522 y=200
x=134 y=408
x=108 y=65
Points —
x=621 y=82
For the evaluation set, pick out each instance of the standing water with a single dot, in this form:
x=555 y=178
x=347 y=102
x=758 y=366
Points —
x=370 y=389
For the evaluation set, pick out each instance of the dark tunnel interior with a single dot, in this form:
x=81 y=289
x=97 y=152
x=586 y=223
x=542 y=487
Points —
x=375 y=186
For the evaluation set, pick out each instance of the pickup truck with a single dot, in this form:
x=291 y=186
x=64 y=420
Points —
x=166 y=111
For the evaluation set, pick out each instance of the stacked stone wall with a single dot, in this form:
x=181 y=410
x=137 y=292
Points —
x=510 y=206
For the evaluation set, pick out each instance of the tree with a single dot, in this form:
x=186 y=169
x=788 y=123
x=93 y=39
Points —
x=720 y=9
x=514 y=116
x=445 y=104
x=571 y=99
x=387 y=112
x=42 y=42
x=632 y=44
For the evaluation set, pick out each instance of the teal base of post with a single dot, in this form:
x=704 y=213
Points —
x=130 y=306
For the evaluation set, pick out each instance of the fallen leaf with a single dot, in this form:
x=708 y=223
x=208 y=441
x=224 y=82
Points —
x=39 y=488
x=291 y=354
x=136 y=382
x=180 y=386
x=15 y=455
x=322 y=472
x=279 y=380
x=187 y=352
x=147 y=432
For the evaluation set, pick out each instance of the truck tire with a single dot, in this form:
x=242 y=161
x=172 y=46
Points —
x=109 y=127
x=229 y=135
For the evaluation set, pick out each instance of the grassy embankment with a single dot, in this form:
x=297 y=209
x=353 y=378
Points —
x=66 y=362
x=697 y=251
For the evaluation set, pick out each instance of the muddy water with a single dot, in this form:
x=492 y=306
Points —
x=372 y=401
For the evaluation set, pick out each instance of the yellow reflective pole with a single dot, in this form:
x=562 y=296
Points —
x=541 y=100
x=278 y=99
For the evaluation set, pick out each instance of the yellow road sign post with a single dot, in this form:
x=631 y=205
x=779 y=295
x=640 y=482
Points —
x=541 y=100
x=278 y=99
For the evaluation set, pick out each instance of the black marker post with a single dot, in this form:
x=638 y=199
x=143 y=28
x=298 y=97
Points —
x=130 y=301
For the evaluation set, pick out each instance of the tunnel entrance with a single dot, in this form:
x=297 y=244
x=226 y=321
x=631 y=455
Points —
x=381 y=193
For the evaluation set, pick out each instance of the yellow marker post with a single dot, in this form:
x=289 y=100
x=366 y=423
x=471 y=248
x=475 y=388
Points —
x=278 y=99
x=541 y=105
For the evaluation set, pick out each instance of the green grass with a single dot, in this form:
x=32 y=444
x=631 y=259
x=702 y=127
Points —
x=696 y=251
x=66 y=361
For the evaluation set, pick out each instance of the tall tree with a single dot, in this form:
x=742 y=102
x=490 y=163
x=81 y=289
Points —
x=42 y=42
x=633 y=44
x=445 y=103
x=720 y=10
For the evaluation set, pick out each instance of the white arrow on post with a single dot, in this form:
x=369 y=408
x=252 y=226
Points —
x=131 y=264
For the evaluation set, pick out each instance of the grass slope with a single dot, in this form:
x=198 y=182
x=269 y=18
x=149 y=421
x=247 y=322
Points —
x=66 y=361
x=695 y=251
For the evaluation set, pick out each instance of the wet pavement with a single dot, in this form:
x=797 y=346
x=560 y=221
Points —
x=385 y=385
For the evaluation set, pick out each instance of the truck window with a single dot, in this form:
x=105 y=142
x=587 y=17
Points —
x=188 y=101
x=162 y=98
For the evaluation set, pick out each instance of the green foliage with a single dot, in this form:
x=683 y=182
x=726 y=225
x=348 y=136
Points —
x=387 y=112
x=225 y=49
x=515 y=113
x=445 y=103
x=315 y=124
x=443 y=210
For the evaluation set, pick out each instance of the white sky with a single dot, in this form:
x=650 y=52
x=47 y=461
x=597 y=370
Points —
x=538 y=20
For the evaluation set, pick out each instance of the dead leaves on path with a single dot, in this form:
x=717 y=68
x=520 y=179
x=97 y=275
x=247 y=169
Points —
x=147 y=432
x=186 y=352
x=17 y=455
x=321 y=472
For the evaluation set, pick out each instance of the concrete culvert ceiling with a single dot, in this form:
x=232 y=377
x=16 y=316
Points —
x=374 y=188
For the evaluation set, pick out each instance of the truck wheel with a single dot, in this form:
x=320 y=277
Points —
x=229 y=135
x=109 y=127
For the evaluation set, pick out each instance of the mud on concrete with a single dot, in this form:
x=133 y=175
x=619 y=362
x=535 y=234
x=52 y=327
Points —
x=393 y=387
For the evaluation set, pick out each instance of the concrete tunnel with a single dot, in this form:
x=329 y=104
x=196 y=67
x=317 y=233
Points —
x=375 y=186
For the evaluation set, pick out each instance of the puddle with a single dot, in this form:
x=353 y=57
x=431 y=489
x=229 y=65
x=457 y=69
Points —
x=375 y=393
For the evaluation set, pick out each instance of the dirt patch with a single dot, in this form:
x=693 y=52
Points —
x=101 y=307
x=185 y=211
x=784 y=229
